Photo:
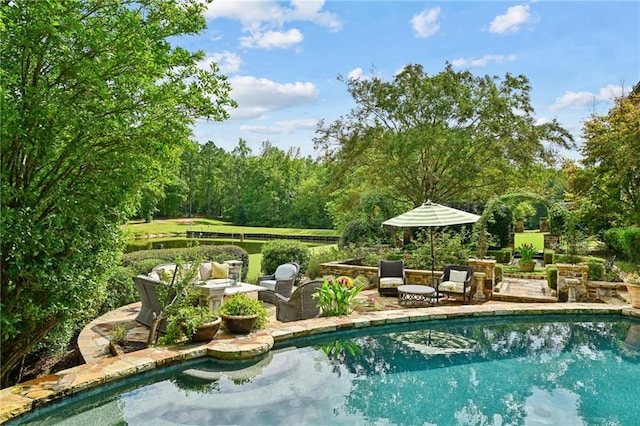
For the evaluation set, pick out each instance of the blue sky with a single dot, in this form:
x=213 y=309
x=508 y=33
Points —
x=282 y=58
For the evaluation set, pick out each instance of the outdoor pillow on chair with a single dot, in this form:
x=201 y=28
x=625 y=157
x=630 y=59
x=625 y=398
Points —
x=219 y=270
x=391 y=282
x=455 y=283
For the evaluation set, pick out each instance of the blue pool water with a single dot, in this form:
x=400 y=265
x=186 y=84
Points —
x=512 y=371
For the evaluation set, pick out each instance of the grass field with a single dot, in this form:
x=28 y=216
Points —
x=535 y=238
x=180 y=226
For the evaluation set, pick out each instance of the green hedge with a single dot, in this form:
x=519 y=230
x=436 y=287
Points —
x=499 y=273
x=624 y=242
x=552 y=277
x=566 y=258
x=503 y=255
x=547 y=256
x=277 y=252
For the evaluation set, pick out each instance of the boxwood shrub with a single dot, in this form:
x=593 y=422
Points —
x=277 y=252
x=552 y=277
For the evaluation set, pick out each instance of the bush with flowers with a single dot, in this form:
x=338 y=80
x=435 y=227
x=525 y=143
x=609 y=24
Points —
x=337 y=296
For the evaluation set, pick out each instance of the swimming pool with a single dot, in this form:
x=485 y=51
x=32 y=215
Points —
x=516 y=370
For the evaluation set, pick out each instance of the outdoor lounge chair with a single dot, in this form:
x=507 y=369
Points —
x=390 y=276
x=151 y=305
x=456 y=280
x=280 y=282
x=301 y=305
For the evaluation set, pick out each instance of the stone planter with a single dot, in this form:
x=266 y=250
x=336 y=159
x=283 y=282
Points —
x=206 y=332
x=239 y=324
x=527 y=266
x=634 y=294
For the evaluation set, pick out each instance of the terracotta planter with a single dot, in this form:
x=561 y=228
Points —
x=527 y=266
x=634 y=294
x=239 y=324
x=206 y=332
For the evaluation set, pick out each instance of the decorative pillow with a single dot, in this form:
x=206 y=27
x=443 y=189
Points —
x=166 y=274
x=391 y=282
x=219 y=270
x=205 y=271
x=452 y=286
x=285 y=272
x=457 y=276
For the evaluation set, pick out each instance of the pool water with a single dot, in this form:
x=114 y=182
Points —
x=511 y=371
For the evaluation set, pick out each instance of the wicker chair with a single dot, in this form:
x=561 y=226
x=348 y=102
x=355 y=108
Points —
x=280 y=282
x=146 y=287
x=390 y=276
x=301 y=305
x=456 y=280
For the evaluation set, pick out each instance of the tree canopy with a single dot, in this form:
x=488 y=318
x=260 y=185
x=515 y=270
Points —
x=96 y=104
x=450 y=136
x=608 y=187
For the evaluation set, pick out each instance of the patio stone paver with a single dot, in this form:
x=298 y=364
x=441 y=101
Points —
x=101 y=367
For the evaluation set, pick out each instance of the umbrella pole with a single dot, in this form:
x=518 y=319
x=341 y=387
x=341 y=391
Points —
x=433 y=265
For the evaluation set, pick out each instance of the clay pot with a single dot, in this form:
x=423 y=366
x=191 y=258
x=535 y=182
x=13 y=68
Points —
x=634 y=294
x=239 y=324
x=207 y=331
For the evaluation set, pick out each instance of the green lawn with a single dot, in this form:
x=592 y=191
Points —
x=535 y=238
x=180 y=226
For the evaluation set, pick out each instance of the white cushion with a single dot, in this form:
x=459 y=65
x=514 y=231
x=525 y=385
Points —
x=154 y=276
x=268 y=284
x=457 y=276
x=452 y=287
x=285 y=272
x=205 y=271
x=390 y=282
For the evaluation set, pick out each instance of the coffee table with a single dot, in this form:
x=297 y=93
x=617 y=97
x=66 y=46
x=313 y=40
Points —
x=213 y=291
x=415 y=295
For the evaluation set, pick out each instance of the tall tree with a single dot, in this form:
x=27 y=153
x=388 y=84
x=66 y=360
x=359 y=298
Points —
x=447 y=137
x=609 y=183
x=95 y=103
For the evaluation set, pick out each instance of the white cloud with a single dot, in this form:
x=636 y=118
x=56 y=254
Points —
x=283 y=127
x=355 y=74
x=586 y=99
x=483 y=61
x=260 y=16
x=228 y=62
x=512 y=20
x=425 y=23
x=257 y=96
x=272 y=39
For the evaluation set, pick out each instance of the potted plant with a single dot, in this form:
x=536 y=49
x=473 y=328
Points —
x=526 y=262
x=188 y=321
x=241 y=314
x=632 y=281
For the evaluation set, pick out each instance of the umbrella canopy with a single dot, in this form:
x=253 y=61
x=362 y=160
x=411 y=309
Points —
x=431 y=214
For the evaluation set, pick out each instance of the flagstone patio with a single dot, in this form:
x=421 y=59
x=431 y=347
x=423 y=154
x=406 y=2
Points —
x=101 y=367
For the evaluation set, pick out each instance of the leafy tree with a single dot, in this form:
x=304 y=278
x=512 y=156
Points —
x=96 y=102
x=451 y=136
x=608 y=187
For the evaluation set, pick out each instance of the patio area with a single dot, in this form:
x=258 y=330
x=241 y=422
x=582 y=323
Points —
x=102 y=366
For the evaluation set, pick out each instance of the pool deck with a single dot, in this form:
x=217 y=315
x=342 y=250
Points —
x=101 y=367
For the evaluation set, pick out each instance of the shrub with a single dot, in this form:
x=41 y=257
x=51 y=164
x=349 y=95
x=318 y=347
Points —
x=548 y=256
x=552 y=277
x=501 y=256
x=120 y=289
x=499 y=273
x=360 y=232
x=277 y=252
x=319 y=257
x=566 y=258
x=596 y=270
x=216 y=253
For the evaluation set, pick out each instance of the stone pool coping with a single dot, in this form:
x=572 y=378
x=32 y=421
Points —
x=27 y=396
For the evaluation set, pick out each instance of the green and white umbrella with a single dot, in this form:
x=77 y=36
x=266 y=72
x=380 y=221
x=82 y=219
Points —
x=430 y=215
